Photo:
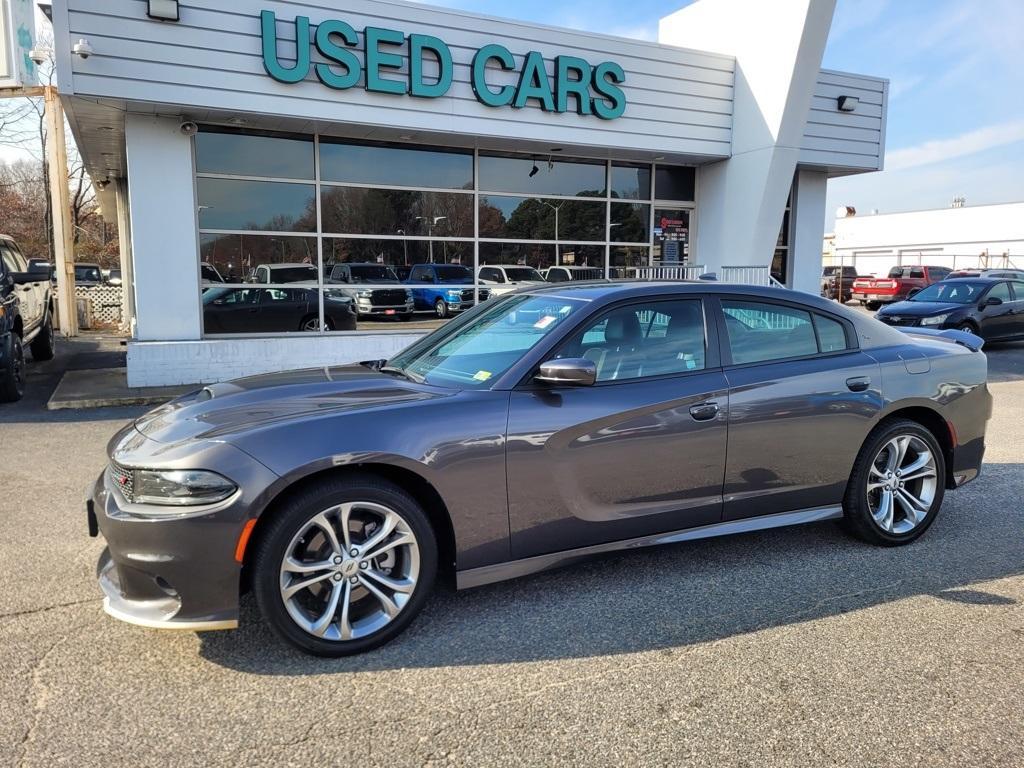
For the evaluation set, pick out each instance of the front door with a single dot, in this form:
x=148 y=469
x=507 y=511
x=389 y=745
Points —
x=671 y=236
x=998 y=320
x=640 y=452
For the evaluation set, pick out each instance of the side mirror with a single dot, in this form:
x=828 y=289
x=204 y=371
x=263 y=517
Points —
x=573 y=372
x=992 y=301
x=21 y=278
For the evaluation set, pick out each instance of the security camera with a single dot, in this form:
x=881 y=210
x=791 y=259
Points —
x=102 y=185
x=39 y=56
x=189 y=128
x=82 y=49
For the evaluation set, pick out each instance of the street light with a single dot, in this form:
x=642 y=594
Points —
x=431 y=223
x=555 y=208
x=405 y=247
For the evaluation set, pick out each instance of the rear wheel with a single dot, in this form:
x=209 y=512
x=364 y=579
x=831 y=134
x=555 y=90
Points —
x=897 y=484
x=345 y=566
x=874 y=306
x=311 y=324
x=12 y=370
x=42 y=345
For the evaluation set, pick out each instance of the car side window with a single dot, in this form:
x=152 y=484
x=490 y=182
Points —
x=759 y=332
x=831 y=334
x=916 y=272
x=1018 y=290
x=655 y=338
x=11 y=259
x=557 y=276
x=1000 y=291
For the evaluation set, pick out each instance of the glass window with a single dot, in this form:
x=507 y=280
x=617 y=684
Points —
x=538 y=256
x=541 y=176
x=631 y=223
x=395 y=166
x=87 y=273
x=13 y=260
x=237 y=154
x=631 y=182
x=396 y=253
x=758 y=332
x=258 y=205
x=1000 y=291
x=1018 y=291
x=671 y=236
x=831 y=334
x=674 y=183
x=651 y=339
x=531 y=218
x=626 y=260
x=917 y=272
x=473 y=355
x=268 y=310
x=581 y=255
x=237 y=258
x=370 y=211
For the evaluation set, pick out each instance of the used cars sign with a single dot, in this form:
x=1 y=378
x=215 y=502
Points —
x=577 y=85
x=17 y=36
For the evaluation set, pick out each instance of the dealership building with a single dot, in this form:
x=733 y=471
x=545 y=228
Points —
x=274 y=143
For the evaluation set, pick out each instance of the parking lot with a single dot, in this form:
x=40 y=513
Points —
x=791 y=647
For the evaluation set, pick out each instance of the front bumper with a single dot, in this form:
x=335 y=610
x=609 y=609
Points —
x=385 y=311
x=178 y=572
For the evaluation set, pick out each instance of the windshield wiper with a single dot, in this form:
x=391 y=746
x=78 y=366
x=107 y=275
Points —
x=400 y=372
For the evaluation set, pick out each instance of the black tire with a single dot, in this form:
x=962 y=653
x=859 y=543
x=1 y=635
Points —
x=874 y=306
x=296 y=512
x=313 y=318
x=968 y=327
x=12 y=370
x=441 y=309
x=43 y=345
x=857 y=516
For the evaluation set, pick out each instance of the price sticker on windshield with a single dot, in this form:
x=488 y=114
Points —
x=544 y=322
x=483 y=375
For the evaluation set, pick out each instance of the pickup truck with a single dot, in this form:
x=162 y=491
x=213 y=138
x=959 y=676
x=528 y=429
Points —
x=444 y=289
x=26 y=317
x=900 y=284
x=837 y=282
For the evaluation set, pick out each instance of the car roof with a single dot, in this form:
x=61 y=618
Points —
x=978 y=279
x=286 y=264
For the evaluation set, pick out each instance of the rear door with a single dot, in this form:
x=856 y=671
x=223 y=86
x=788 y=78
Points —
x=1018 y=307
x=802 y=398
x=1000 y=320
x=640 y=452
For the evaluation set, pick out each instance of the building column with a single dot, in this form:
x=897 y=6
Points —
x=778 y=49
x=808 y=230
x=163 y=229
x=124 y=242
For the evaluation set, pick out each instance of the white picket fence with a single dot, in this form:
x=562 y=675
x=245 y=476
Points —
x=104 y=302
x=667 y=272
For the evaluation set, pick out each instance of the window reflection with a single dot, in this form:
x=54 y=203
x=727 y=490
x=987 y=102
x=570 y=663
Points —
x=625 y=260
x=368 y=211
x=630 y=222
x=257 y=205
x=554 y=177
x=675 y=183
x=236 y=154
x=399 y=252
x=274 y=310
x=531 y=218
x=535 y=255
x=394 y=166
x=631 y=182
x=236 y=258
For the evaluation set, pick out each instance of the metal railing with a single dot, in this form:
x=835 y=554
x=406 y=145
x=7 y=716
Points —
x=747 y=275
x=667 y=272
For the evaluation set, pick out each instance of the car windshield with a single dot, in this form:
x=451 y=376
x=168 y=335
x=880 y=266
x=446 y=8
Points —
x=520 y=274
x=293 y=274
x=472 y=354
x=953 y=293
x=371 y=273
x=896 y=272
x=453 y=274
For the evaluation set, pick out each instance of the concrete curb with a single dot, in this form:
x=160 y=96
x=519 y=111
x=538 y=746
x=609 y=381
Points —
x=107 y=387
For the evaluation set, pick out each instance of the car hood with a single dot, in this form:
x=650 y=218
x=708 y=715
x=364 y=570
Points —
x=218 y=411
x=921 y=308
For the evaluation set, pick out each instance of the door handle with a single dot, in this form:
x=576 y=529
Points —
x=858 y=383
x=704 y=411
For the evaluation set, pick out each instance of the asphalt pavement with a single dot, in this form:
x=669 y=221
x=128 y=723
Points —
x=794 y=647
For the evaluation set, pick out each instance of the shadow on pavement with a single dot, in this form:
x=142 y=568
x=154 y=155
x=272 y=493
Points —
x=682 y=595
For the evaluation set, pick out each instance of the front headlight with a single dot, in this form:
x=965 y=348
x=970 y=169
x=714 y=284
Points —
x=936 y=320
x=179 y=487
x=408 y=294
x=456 y=295
x=364 y=294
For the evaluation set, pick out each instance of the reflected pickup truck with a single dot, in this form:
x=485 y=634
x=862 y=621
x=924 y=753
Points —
x=900 y=284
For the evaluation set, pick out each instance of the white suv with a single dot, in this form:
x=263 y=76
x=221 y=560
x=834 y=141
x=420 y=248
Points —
x=505 y=278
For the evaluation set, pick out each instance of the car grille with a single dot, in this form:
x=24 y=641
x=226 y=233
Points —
x=388 y=297
x=467 y=295
x=906 y=322
x=122 y=478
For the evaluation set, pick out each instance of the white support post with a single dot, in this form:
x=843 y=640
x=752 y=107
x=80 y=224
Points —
x=60 y=205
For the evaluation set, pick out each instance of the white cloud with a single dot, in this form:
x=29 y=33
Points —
x=970 y=143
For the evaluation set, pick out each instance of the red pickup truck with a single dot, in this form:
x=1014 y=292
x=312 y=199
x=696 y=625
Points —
x=899 y=284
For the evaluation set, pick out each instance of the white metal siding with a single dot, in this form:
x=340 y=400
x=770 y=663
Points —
x=854 y=140
x=679 y=101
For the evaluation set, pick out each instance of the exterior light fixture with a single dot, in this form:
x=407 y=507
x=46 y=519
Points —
x=534 y=171
x=164 y=10
x=848 y=103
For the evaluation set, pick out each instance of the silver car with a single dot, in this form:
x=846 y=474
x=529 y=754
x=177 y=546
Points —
x=534 y=430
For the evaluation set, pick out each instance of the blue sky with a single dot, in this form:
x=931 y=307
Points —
x=956 y=100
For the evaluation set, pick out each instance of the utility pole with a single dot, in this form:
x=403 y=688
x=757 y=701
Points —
x=60 y=201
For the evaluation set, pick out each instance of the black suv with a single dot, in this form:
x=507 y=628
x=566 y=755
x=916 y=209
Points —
x=26 y=317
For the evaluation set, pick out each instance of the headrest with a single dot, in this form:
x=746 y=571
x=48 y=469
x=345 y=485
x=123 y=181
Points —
x=623 y=328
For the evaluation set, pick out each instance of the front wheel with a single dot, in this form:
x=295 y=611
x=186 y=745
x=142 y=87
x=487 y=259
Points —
x=897 y=484
x=441 y=308
x=12 y=370
x=968 y=328
x=345 y=566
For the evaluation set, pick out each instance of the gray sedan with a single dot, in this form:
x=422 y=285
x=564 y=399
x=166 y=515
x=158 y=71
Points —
x=535 y=430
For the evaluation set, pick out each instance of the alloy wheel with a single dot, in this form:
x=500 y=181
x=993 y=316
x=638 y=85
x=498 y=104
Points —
x=901 y=484
x=349 y=571
x=311 y=325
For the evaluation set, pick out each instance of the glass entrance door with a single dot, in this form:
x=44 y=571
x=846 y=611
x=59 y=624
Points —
x=671 y=236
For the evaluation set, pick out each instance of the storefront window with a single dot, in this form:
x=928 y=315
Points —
x=399 y=233
x=542 y=176
x=393 y=166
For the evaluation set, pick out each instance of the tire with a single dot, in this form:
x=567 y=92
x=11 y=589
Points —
x=311 y=324
x=441 y=309
x=43 y=345
x=864 y=509
x=968 y=328
x=874 y=306
x=12 y=370
x=292 y=532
